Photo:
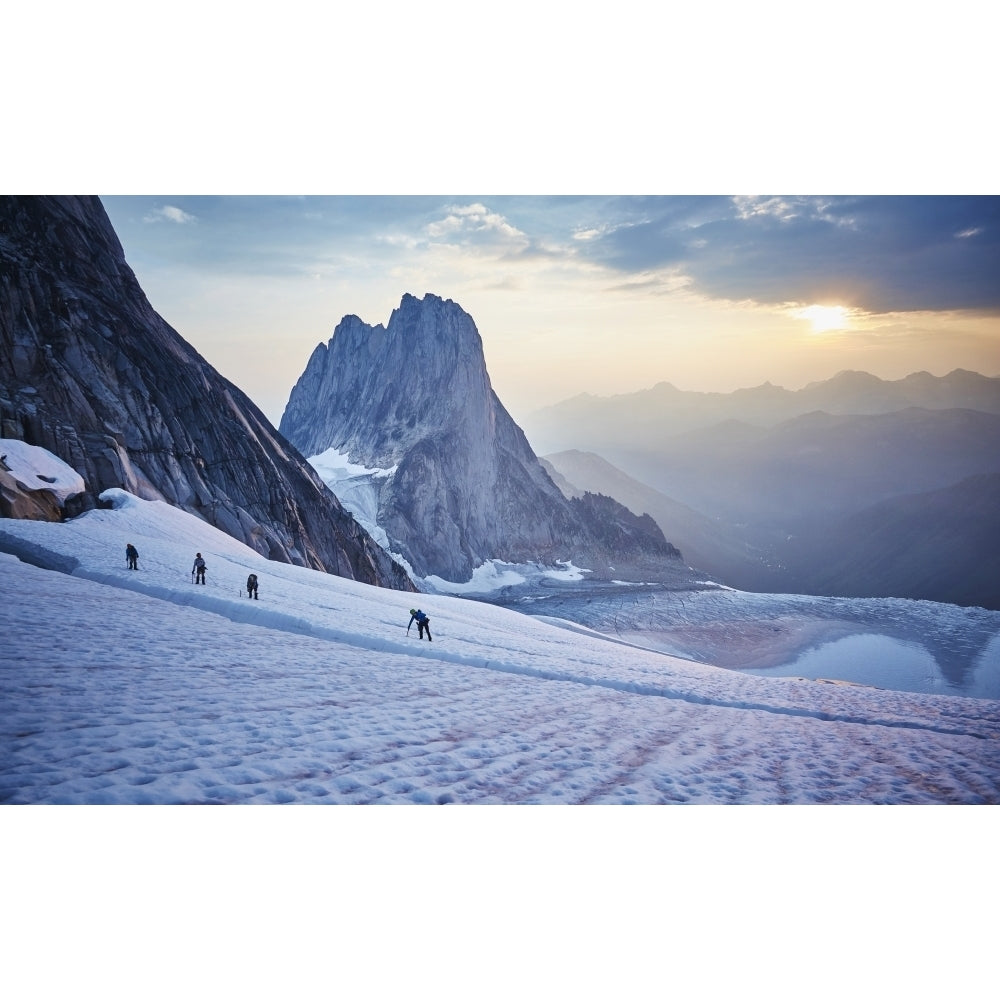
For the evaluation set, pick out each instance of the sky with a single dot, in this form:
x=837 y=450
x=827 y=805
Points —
x=582 y=293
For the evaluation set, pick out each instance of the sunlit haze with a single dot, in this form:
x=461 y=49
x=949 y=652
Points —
x=603 y=295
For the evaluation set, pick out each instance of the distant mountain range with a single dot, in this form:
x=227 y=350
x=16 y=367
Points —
x=892 y=503
x=816 y=465
x=596 y=423
x=939 y=545
x=89 y=372
x=461 y=485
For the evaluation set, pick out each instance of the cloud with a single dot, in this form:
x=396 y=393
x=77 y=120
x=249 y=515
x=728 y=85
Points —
x=749 y=207
x=868 y=254
x=880 y=254
x=170 y=213
x=474 y=220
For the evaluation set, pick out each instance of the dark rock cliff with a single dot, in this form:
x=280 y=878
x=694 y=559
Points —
x=91 y=373
x=415 y=396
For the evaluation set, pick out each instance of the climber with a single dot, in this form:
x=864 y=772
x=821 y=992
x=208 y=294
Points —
x=198 y=570
x=252 y=586
x=131 y=556
x=423 y=624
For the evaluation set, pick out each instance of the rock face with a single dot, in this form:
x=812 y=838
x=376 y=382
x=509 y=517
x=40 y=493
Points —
x=414 y=396
x=91 y=373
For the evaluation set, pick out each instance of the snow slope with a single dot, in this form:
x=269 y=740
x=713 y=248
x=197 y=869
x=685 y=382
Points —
x=141 y=687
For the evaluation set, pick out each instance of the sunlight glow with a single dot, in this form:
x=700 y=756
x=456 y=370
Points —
x=824 y=318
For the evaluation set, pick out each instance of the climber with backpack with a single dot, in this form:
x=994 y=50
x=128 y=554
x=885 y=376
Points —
x=198 y=570
x=131 y=556
x=423 y=624
x=252 y=586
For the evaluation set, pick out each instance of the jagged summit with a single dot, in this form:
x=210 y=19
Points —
x=414 y=396
x=92 y=374
x=373 y=391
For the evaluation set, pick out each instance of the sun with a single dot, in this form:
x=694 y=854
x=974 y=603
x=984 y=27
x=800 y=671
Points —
x=824 y=318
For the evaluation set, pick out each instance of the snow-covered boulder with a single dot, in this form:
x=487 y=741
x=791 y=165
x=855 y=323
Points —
x=34 y=483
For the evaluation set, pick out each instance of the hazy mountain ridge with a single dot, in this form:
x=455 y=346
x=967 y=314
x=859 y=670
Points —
x=816 y=465
x=709 y=545
x=414 y=397
x=880 y=505
x=595 y=422
x=919 y=545
x=90 y=372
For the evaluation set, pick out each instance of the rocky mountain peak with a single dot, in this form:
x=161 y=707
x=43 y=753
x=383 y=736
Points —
x=374 y=391
x=415 y=397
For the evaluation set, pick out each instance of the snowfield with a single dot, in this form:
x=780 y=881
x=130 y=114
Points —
x=141 y=687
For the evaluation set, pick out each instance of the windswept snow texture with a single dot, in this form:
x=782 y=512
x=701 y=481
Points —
x=125 y=687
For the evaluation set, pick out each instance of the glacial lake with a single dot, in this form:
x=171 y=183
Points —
x=887 y=662
x=890 y=643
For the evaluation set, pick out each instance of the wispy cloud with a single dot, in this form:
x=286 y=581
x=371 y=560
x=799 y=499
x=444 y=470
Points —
x=474 y=220
x=170 y=213
x=751 y=206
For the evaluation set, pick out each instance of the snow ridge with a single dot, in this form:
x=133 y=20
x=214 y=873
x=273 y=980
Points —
x=245 y=613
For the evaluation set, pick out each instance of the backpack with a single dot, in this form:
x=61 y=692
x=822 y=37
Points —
x=251 y=581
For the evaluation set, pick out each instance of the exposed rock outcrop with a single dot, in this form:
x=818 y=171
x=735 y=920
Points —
x=29 y=505
x=414 y=396
x=91 y=373
x=35 y=485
